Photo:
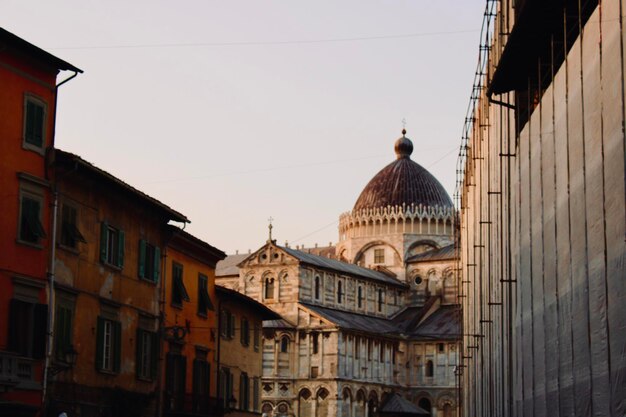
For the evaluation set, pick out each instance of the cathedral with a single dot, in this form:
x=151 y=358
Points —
x=369 y=326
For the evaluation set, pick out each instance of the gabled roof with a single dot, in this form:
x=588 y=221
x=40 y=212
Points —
x=278 y=324
x=443 y=324
x=342 y=267
x=444 y=253
x=229 y=265
x=395 y=404
x=264 y=312
x=76 y=163
x=8 y=39
x=194 y=247
x=353 y=321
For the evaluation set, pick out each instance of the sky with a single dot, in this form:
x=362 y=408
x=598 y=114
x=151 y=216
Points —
x=233 y=112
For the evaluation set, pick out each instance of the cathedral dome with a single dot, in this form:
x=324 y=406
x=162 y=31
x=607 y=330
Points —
x=403 y=182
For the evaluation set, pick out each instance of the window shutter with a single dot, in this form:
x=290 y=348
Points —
x=169 y=372
x=154 y=359
x=17 y=323
x=39 y=331
x=183 y=372
x=241 y=335
x=230 y=386
x=231 y=325
x=38 y=125
x=99 y=343
x=142 y=259
x=117 y=345
x=120 y=258
x=157 y=264
x=139 y=352
x=104 y=228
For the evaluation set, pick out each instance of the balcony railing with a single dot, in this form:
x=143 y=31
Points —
x=192 y=405
x=17 y=371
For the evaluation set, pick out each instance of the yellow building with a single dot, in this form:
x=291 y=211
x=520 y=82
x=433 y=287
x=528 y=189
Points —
x=190 y=326
x=240 y=351
x=107 y=274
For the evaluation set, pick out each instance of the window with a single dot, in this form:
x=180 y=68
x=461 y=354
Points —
x=227 y=324
x=380 y=300
x=269 y=288
x=111 y=245
x=370 y=348
x=27 y=328
x=34 y=123
x=379 y=256
x=70 y=235
x=175 y=375
x=357 y=348
x=257 y=337
x=429 y=369
x=226 y=386
x=317 y=288
x=201 y=382
x=255 y=394
x=381 y=352
x=149 y=261
x=339 y=292
x=315 y=342
x=108 y=345
x=204 y=301
x=179 y=292
x=245 y=332
x=244 y=392
x=360 y=297
x=146 y=362
x=284 y=344
x=315 y=371
x=31 y=228
x=441 y=347
x=63 y=319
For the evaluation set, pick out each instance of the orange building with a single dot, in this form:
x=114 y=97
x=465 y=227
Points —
x=190 y=326
x=28 y=89
x=240 y=351
x=108 y=275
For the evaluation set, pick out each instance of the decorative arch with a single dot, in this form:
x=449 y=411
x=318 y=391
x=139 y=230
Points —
x=305 y=403
x=322 y=400
x=361 y=252
x=372 y=403
x=284 y=340
x=346 y=402
x=359 y=404
x=267 y=407
x=421 y=242
x=282 y=408
x=446 y=398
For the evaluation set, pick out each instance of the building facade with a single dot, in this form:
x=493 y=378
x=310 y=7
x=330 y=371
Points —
x=375 y=315
x=28 y=76
x=239 y=352
x=542 y=213
x=189 y=326
x=108 y=272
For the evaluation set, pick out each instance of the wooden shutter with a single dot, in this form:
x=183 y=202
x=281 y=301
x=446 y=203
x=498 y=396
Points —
x=17 y=324
x=104 y=228
x=154 y=351
x=40 y=327
x=138 y=352
x=117 y=345
x=141 y=267
x=120 y=256
x=99 y=343
x=157 y=264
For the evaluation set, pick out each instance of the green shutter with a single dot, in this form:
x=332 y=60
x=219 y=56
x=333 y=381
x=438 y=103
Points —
x=120 y=257
x=117 y=345
x=157 y=264
x=138 y=352
x=154 y=358
x=142 y=258
x=99 y=342
x=104 y=228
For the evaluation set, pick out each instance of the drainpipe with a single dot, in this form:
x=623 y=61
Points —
x=219 y=339
x=52 y=260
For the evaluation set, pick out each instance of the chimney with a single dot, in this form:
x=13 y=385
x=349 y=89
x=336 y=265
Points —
x=286 y=244
x=249 y=251
x=237 y=252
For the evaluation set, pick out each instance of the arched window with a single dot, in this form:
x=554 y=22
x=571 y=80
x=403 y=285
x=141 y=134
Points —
x=269 y=288
x=339 y=292
x=425 y=404
x=284 y=344
x=317 y=288
x=360 y=297
x=380 y=300
x=429 y=369
x=315 y=341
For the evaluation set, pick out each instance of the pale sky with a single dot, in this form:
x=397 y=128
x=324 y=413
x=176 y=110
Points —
x=234 y=111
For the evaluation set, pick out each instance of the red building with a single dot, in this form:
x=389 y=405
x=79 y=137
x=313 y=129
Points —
x=28 y=80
